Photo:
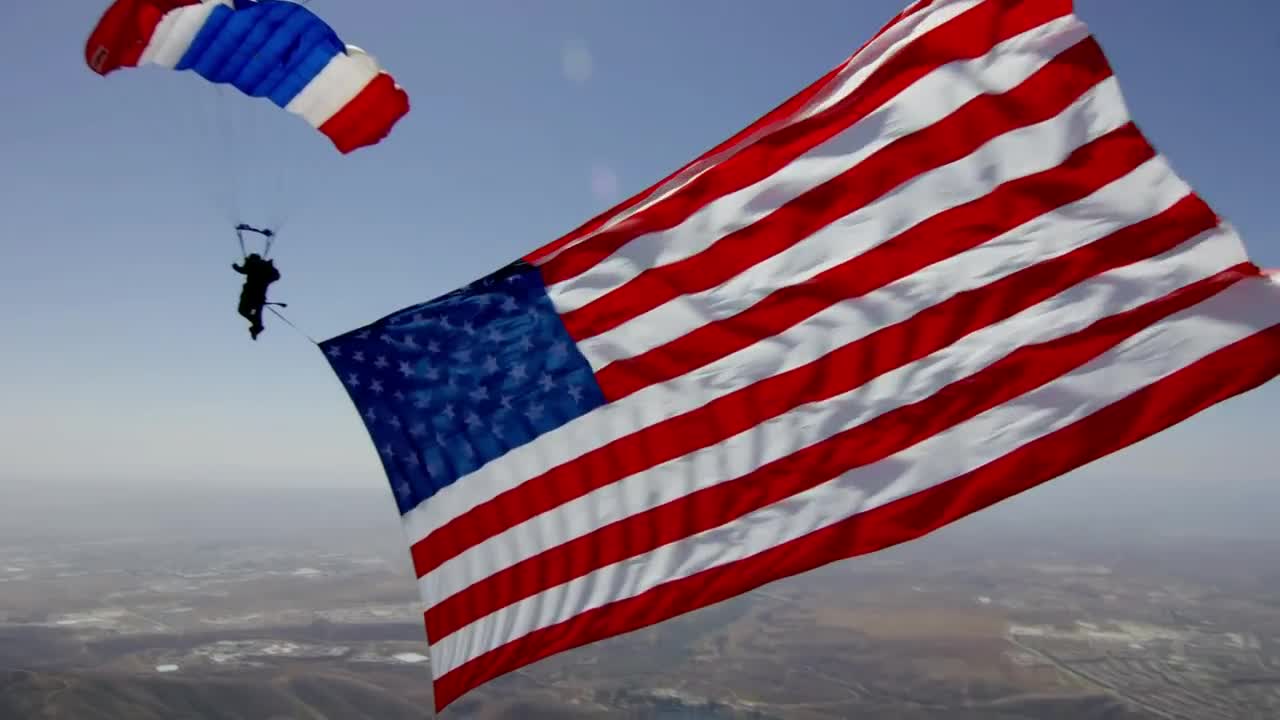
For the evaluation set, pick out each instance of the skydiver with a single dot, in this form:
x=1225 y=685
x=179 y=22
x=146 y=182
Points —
x=259 y=273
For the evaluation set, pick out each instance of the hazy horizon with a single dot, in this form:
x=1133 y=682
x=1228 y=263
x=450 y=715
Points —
x=1131 y=514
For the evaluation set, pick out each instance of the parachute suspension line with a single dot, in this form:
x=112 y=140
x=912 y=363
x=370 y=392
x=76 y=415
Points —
x=252 y=158
x=282 y=160
x=221 y=143
x=286 y=151
x=267 y=233
x=249 y=174
x=263 y=153
x=210 y=139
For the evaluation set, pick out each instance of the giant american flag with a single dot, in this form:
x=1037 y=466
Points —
x=949 y=270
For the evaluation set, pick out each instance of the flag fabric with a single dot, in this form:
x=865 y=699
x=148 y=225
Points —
x=949 y=270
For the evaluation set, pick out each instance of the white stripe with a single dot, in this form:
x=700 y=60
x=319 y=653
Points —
x=880 y=51
x=1145 y=192
x=929 y=100
x=333 y=87
x=1016 y=154
x=176 y=31
x=853 y=74
x=1070 y=311
x=1152 y=354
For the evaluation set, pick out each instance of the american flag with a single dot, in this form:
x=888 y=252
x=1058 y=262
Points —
x=949 y=270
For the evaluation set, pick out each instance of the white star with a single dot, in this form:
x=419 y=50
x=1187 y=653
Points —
x=468 y=450
x=510 y=304
x=576 y=393
x=399 y=396
x=433 y=346
x=376 y=386
x=440 y=438
x=469 y=328
x=534 y=412
x=495 y=335
x=513 y=279
x=444 y=323
x=404 y=489
x=363 y=334
x=370 y=415
x=491 y=364
x=418 y=318
x=480 y=393
x=560 y=349
x=358 y=356
x=547 y=382
x=533 y=313
x=410 y=343
x=406 y=369
x=381 y=362
x=334 y=352
x=388 y=451
x=497 y=430
x=473 y=420
x=411 y=460
x=526 y=343
x=449 y=412
x=518 y=372
x=463 y=356
x=386 y=338
x=421 y=402
x=506 y=402
x=353 y=380
x=433 y=373
x=418 y=429
x=484 y=300
x=395 y=422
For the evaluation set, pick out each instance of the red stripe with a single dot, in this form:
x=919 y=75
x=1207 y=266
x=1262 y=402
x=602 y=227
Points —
x=779 y=114
x=1226 y=373
x=123 y=31
x=1047 y=93
x=839 y=371
x=370 y=115
x=1021 y=371
x=967 y=36
x=949 y=233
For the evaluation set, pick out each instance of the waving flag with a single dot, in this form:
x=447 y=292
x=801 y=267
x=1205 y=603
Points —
x=947 y=271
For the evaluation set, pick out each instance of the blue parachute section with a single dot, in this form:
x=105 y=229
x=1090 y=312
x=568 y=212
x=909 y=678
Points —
x=268 y=48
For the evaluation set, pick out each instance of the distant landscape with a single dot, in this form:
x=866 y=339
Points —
x=274 y=604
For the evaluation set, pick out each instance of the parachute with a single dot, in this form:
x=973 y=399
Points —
x=274 y=49
x=249 y=50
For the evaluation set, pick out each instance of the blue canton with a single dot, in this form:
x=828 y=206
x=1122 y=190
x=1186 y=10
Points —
x=446 y=386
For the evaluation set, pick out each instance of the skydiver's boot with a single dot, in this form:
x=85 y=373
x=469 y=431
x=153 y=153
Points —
x=256 y=328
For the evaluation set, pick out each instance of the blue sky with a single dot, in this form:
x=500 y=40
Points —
x=124 y=362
